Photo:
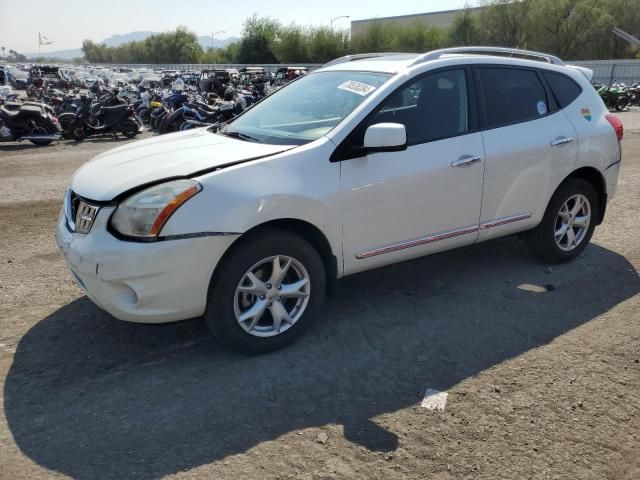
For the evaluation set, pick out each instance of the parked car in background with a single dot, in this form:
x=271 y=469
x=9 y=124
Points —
x=19 y=79
x=49 y=73
x=368 y=161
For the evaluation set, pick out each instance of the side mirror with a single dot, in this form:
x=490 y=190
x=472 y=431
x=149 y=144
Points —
x=385 y=137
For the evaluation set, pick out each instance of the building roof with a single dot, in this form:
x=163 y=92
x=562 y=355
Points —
x=426 y=14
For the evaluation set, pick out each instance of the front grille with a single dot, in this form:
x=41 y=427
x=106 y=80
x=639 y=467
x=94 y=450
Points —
x=80 y=214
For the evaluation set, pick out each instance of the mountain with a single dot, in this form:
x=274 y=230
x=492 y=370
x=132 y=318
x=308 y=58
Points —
x=116 y=40
x=205 y=41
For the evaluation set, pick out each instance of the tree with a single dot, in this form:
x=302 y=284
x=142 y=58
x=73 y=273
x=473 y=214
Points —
x=178 y=46
x=292 y=45
x=419 y=38
x=258 y=38
x=379 y=37
x=576 y=29
x=464 y=30
x=626 y=16
x=504 y=23
x=325 y=44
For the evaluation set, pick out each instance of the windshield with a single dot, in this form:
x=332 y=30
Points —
x=306 y=109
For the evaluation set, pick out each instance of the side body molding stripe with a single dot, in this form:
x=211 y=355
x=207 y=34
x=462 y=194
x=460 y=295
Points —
x=394 y=247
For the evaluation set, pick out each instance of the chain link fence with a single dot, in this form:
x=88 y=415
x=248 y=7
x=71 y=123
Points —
x=610 y=71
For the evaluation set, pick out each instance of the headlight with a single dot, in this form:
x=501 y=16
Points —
x=145 y=213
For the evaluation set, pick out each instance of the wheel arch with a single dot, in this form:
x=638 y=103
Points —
x=597 y=181
x=304 y=229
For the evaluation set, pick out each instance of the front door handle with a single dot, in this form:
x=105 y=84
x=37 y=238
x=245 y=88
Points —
x=466 y=161
x=558 y=142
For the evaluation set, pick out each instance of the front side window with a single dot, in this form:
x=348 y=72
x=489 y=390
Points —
x=434 y=107
x=511 y=96
x=306 y=109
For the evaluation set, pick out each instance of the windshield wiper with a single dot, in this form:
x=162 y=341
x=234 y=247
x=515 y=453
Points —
x=241 y=136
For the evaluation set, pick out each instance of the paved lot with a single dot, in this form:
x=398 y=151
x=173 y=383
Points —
x=542 y=382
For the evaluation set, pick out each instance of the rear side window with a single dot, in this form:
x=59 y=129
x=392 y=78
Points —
x=564 y=89
x=511 y=96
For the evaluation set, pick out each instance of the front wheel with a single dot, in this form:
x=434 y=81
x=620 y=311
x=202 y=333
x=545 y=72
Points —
x=568 y=222
x=266 y=292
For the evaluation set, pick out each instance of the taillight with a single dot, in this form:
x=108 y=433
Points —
x=616 y=124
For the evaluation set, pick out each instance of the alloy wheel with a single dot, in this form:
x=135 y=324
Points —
x=272 y=296
x=572 y=222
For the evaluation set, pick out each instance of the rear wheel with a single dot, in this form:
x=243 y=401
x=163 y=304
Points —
x=266 y=292
x=40 y=130
x=78 y=131
x=568 y=222
x=130 y=128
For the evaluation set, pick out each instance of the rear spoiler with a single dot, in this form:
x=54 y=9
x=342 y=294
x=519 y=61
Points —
x=587 y=72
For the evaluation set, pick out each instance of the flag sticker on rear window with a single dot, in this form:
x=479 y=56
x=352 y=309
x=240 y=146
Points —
x=357 y=87
x=586 y=113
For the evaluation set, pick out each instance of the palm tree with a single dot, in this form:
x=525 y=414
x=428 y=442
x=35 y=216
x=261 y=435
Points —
x=12 y=53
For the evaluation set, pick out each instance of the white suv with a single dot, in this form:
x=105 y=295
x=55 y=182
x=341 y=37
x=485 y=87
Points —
x=370 y=160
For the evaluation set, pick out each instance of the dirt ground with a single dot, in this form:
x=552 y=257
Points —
x=542 y=383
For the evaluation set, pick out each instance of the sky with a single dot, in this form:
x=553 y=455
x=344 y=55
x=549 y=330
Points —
x=68 y=22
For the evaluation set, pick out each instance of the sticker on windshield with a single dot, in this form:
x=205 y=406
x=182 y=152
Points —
x=357 y=87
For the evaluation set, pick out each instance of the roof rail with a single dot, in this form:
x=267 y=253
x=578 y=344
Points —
x=498 y=51
x=359 y=56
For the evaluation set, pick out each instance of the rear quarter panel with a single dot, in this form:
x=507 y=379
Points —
x=598 y=146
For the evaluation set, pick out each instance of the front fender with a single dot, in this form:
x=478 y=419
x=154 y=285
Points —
x=300 y=184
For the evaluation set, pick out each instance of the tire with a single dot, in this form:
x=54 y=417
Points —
x=78 y=132
x=41 y=143
x=143 y=113
x=542 y=239
x=171 y=125
x=129 y=128
x=41 y=128
x=224 y=298
x=67 y=119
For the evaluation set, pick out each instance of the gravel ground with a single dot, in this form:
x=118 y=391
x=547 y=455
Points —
x=542 y=382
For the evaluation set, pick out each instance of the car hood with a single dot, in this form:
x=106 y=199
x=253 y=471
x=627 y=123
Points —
x=168 y=156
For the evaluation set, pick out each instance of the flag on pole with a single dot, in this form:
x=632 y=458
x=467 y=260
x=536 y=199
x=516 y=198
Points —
x=42 y=40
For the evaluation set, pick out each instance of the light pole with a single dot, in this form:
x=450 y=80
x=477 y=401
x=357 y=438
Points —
x=338 y=18
x=213 y=48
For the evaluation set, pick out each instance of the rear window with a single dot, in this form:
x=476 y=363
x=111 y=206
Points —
x=512 y=96
x=564 y=89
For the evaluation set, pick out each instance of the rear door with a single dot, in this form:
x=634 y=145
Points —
x=530 y=145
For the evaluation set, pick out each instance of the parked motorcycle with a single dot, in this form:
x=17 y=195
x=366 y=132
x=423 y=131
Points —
x=616 y=97
x=29 y=122
x=96 y=119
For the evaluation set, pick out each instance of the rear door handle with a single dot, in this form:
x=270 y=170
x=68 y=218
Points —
x=558 y=142
x=466 y=161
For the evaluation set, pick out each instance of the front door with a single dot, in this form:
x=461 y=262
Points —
x=427 y=198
